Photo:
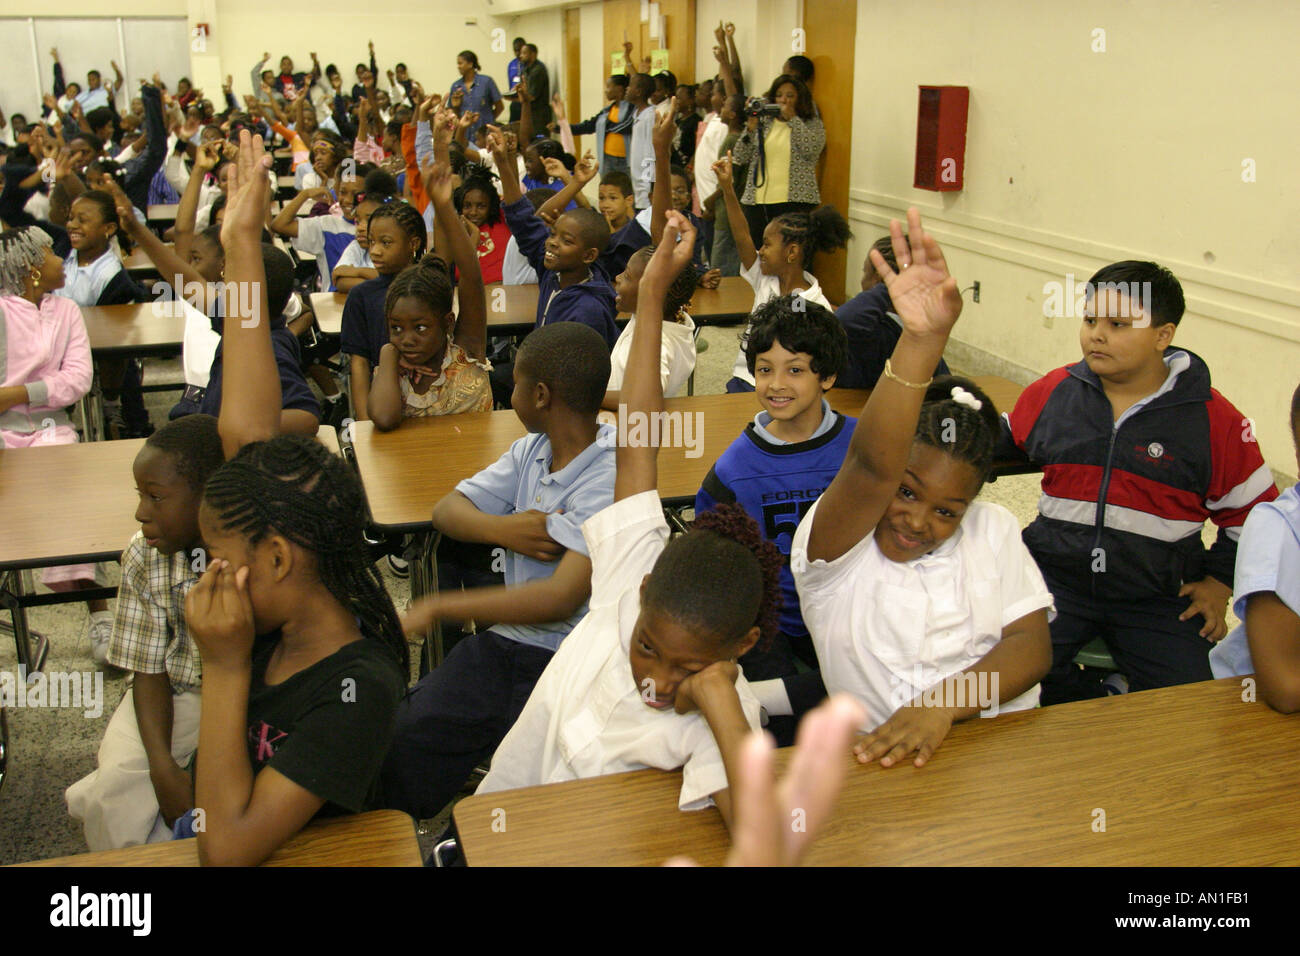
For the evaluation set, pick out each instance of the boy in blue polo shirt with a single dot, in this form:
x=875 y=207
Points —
x=531 y=504
x=1267 y=597
x=778 y=468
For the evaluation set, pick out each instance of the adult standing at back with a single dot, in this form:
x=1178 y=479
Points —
x=784 y=178
x=479 y=93
x=535 y=87
x=514 y=69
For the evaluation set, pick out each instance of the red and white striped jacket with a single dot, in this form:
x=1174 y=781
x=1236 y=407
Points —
x=1124 y=502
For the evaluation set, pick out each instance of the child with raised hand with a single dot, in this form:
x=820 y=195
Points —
x=435 y=363
x=922 y=602
x=1267 y=597
x=678 y=356
x=93 y=275
x=205 y=280
x=649 y=677
x=397 y=239
x=480 y=209
x=573 y=288
x=780 y=267
x=294 y=724
x=141 y=783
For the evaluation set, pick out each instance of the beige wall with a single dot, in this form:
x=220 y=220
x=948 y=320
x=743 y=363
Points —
x=1077 y=158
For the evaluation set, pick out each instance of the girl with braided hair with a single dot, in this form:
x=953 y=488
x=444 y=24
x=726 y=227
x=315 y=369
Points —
x=649 y=677
x=435 y=363
x=781 y=264
x=479 y=205
x=921 y=601
x=304 y=660
x=397 y=239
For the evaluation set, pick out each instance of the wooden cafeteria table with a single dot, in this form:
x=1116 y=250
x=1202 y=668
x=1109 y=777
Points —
x=1185 y=776
x=406 y=472
x=67 y=504
x=379 y=838
x=512 y=309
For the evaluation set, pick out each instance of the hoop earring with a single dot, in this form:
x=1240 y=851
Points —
x=36 y=278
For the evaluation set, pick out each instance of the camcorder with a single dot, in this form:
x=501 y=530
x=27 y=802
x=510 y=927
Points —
x=757 y=106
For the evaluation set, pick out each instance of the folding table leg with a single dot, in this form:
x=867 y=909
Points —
x=422 y=558
x=32 y=647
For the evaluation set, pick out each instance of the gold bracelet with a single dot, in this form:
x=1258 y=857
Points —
x=889 y=374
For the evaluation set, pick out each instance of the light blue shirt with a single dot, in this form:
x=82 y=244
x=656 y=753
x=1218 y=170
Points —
x=522 y=480
x=764 y=418
x=1268 y=559
x=92 y=99
x=85 y=284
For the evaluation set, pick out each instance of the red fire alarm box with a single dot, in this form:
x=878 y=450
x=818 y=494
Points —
x=941 y=137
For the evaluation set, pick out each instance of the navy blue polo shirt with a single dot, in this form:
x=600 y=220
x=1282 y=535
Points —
x=294 y=392
x=365 y=326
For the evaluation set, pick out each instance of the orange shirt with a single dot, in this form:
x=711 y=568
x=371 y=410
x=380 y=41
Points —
x=615 y=145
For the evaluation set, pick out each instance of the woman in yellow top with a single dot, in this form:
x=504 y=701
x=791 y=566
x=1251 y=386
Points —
x=784 y=178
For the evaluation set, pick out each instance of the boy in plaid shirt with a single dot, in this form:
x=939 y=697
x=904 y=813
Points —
x=142 y=782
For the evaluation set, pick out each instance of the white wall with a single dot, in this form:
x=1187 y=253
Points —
x=1077 y=158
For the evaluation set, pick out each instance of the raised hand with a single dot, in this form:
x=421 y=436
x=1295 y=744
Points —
x=496 y=143
x=665 y=128
x=438 y=184
x=720 y=54
x=720 y=33
x=467 y=119
x=925 y=296
x=764 y=806
x=556 y=169
x=731 y=29
x=557 y=106
x=246 y=193
x=207 y=157
x=586 y=169
x=671 y=255
x=722 y=169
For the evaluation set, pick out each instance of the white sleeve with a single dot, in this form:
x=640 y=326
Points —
x=753 y=275
x=703 y=770
x=677 y=356
x=176 y=173
x=817 y=580
x=624 y=540
x=1022 y=586
x=311 y=236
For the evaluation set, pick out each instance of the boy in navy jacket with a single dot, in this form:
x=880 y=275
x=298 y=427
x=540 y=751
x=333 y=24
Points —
x=572 y=285
x=1137 y=451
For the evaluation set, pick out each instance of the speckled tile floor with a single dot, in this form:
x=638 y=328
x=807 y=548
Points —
x=52 y=748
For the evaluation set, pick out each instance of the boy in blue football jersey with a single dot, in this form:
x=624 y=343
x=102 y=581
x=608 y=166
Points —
x=777 y=468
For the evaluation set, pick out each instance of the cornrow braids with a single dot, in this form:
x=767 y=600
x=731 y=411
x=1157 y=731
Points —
x=429 y=280
x=292 y=486
x=821 y=230
x=957 y=429
x=407 y=219
x=721 y=578
x=21 y=251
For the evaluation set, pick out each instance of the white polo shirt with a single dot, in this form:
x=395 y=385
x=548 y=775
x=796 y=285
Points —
x=586 y=717
x=885 y=630
x=769 y=287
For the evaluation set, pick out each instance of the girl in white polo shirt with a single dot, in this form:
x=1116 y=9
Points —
x=649 y=677
x=922 y=602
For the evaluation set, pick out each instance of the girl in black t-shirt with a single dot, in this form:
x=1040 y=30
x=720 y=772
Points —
x=304 y=660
